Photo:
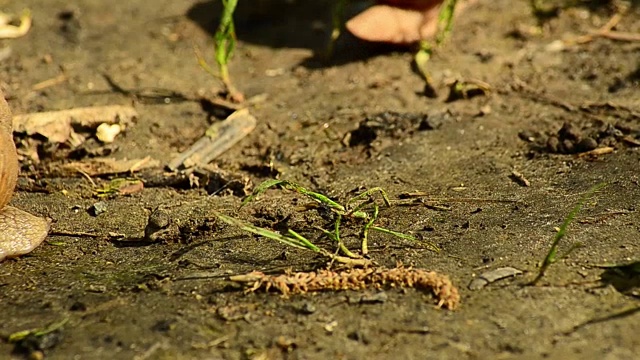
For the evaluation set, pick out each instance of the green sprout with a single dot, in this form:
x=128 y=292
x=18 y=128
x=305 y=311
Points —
x=224 y=46
x=425 y=50
x=39 y=332
x=362 y=207
x=337 y=21
x=225 y=39
x=552 y=255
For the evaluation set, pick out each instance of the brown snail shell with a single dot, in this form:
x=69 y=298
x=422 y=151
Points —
x=20 y=232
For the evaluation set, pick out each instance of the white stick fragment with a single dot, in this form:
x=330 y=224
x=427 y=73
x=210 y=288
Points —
x=220 y=137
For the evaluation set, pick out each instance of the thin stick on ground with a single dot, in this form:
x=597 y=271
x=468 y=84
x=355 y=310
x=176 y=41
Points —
x=606 y=31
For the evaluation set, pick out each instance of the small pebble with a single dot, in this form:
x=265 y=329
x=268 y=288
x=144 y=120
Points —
x=570 y=132
x=568 y=147
x=553 y=144
x=586 y=144
x=97 y=208
x=526 y=135
x=308 y=308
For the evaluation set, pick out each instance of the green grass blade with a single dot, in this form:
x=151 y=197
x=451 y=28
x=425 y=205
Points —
x=365 y=229
x=289 y=185
x=445 y=21
x=319 y=198
x=302 y=240
x=553 y=250
x=225 y=37
x=264 y=186
x=295 y=240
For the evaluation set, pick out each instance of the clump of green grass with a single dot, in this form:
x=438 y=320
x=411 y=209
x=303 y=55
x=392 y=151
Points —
x=362 y=207
x=552 y=254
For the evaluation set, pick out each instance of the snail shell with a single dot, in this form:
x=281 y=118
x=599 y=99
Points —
x=20 y=232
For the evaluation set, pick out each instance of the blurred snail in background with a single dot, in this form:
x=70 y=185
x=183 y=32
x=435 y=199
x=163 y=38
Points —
x=20 y=232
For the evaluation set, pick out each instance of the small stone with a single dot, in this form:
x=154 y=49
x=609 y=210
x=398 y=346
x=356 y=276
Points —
x=330 y=326
x=568 y=147
x=555 y=46
x=308 y=308
x=526 y=135
x=490 y=276
x=159 y=226
x=570 y=132
x=379 y=297
x=97 y=208
x=586 y=144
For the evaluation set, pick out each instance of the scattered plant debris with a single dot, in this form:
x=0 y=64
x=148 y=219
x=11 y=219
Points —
x=355 y=279
x=362 y=207
x=9 y=31
x=120 y=186
x=59 y=126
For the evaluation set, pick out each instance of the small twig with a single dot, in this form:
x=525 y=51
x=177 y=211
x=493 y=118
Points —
x=424 y=196
x=604 y=215
x=606 y=32
x=73 y=233
x=219 y=138
x=49 y=82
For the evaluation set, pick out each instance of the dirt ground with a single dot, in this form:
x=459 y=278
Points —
x=356 y=122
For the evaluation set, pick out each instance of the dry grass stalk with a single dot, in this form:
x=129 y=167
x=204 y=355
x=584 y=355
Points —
x=355 y=279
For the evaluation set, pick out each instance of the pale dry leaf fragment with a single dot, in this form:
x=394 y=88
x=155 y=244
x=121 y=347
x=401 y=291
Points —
x=106 y=166
x=8 y=31
x=494 y=275
x=31 y=231
x=596 y=152
x=57 y=126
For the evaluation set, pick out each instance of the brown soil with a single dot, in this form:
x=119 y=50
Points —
x=125 y=298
